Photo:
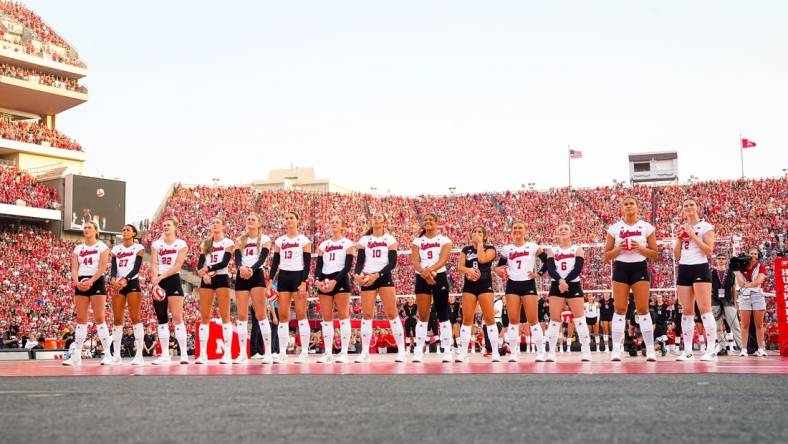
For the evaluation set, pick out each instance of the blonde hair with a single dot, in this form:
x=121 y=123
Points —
x=206 y=245
x=95 y=226
x=241 y=243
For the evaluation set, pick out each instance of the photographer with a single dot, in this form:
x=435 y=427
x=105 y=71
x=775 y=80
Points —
x=722 y=303
x=752 y=303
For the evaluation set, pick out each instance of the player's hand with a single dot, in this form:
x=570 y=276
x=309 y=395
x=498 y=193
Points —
x=245 y=272
x=563 y=287
x=329 y=286
x=531 y=275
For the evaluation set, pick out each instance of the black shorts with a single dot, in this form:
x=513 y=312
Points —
x=630 y=272
x=605 y=316
x=132 y=286
x=591 y=321
x=289 y=281
x=383 y=281
x=172 y=286
x=575 y=290
x=256 y=280
x=98 y=288
x=521 y=288
x=692 y=274
x=441 y=285
x=477 y=288
x=342 y=286
x=217 y=281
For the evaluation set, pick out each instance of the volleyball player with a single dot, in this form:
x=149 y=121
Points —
x=429 y=254
x=168 y=254
x=592 y=318
x=292 y=258
x=125 y=283
x=692 y=248
x=376 y=259
x=251 y=251
x=606 y=311
x=629 y=243
x=334 y=260
x=88 y=263
x=565 y=264
x=475 y=264
x=517 y=266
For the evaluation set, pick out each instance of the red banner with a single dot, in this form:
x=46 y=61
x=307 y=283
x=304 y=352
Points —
x=216 y=341
x=781 y=297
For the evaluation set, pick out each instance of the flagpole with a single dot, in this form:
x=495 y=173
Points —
x=741 y=152
x=569 y=163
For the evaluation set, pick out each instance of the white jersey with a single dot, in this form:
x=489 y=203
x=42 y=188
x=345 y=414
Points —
x=592 y=310
x=565 y=261
x=89 y=257
x=520 y=260
x=216 y=254
x=430 y=250
x=125 y=258
x=638 y=232
x=291 y=252
x=376 y=251
x=691 y=253
x=251 y=251
x=167 y=253
x=334 y=253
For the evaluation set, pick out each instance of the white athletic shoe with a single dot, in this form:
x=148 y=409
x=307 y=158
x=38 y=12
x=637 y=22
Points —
x=585 y=356
x=326 y=358
x=163 y=360
x=281 y=358
x=709 y=356
x=461 y=357
x=184 y=359
x=651 y=355
x=362 y=358
x=495 y=357
x=226 y=359
x=341 y=358
x=241 y=359
x=447 y=357
x=117 y=360
x=256 y=356
x=107 y=360
x=615 y=356
x=550 y=357
x=418 y=357
x=267 y=358
x=400 y=357
x=73 y=361
x=138 y=360
x=761 y=353
x=686 y=356
x=303 y=358
x=514 y=357
x=743 y=354
x=202 y=359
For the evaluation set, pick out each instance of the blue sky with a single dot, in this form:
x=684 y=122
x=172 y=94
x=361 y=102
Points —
x=417 y=96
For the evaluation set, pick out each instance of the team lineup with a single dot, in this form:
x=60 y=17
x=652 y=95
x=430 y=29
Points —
x=369 y=262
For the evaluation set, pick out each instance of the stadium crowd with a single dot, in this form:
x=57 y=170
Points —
x=41 y=78
x=43 y=42
x=36 y=133
x=16 y=184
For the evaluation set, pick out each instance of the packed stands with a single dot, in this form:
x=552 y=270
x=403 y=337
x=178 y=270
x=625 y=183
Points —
x=17 y=185
x=36 y=133
x=23 y=30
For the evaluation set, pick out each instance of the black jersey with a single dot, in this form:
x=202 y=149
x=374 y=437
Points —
x=409 y=311
x=606 y=308
x=472 y=261
x=454 y=312
x=661 y=312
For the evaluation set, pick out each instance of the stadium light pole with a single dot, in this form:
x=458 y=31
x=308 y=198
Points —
x=531 y=185
x=452 y=189
x=215 y=181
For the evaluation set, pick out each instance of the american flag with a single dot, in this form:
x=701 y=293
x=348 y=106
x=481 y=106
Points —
x=574 y=154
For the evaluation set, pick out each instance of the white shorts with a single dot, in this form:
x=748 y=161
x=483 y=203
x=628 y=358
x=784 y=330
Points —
x=751 y=300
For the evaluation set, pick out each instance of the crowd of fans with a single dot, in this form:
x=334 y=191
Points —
x=42 y=78
x=43 y=41
x=16 y=185
x=36 y=133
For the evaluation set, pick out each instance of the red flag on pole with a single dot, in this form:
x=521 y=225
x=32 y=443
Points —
x=574 y=154
x=746 y=143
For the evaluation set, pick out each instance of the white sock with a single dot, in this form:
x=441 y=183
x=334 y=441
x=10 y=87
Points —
x=79 y=338
x=618 y=324
x=103 y=334
x=687 y=331
x=164 y=339
x=328 y=335
x=265 y=331
x=421 y=336
x=180 y=336
x=227 y=336
x=366 y=334
x=492 y=334
x=710 y=325
x=283 y=332
x=139 y=338
x=513 y=336
x=465 y=338
x=604 y=339
x=552 y=335
x=598 y=340
x=344 y=332
x=647 y=328
x=117 y=335
x=243 y=334
x=304 y=332
x=537 y=337
x=205 y=331
x=399 y=333
x=446 y=338
x=583 y=335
